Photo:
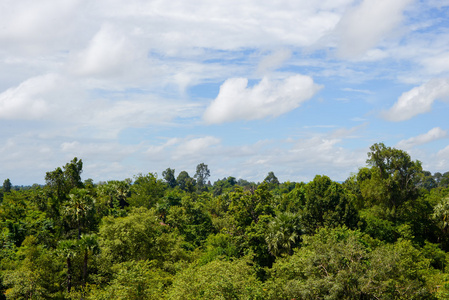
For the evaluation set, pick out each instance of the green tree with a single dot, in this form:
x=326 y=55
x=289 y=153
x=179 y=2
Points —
x=284 y=233
x=217 y=280
x=68 y=249
x=146 y=191
x=329 y=265
x=7 y=186
x=201 y=175
x=394 y=177
x=139 y=236
x=327 y=204
x=134 y=280
x=398 y=271
x=185 y=182
x=169 y=177
x=441 y=217
x=113 y=196
x=191 y=219
x=79 y=209
x=35 y=275
x=272 y=180
x=88 y=245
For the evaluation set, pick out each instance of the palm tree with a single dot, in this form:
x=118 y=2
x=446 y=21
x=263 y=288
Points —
x=78 y=207
x=89 y=246
x=68 y=250
x=441 y=216
x=283 y=234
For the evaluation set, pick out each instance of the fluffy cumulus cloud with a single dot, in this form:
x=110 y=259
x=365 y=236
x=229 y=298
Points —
x=108 y=53
x=432 y=135
x=237 y=101
x=33 y=99
x=418 y=100
x=365 y=25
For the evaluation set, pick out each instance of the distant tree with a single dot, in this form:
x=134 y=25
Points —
x=272 y=180
x=61 y=181
x=147 y=190
x=185 y=182
x=169 y=176
x=201 y=175
x=428 y=181
x=7 y=186
x=72 y=173
x=444 y=181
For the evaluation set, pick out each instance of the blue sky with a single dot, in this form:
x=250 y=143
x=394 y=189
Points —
x=299 y=87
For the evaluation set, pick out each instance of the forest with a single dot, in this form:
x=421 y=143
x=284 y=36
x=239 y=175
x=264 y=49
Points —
x=383 y=233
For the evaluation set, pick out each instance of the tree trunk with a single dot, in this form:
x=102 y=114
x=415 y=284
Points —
x=69 y=274
x=85 y=268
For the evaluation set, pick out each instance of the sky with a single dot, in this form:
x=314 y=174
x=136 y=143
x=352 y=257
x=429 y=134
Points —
x=300 y=88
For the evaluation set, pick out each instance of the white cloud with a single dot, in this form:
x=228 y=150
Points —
x=273 y=61
x=29 y=26
x=437 y=64
x=237 y=101
x=418 y=100
x=432 y=135
x=108 y=53
x=362 y=27
x=29 y=100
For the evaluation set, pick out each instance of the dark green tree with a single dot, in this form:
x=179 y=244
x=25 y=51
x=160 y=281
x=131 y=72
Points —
x=169 y=176
x=272 y=180
x=185 y=182
x=7 y=186
x=201 y=175
x=88 y=245
x=327 y=204
x=68 y=249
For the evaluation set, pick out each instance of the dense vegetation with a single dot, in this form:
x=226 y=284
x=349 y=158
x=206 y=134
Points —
x=381 y=234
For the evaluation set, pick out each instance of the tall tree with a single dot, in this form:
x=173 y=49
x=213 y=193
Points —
x=169 y=176
x=147 y=190
x=394 y=177
x=7 y=186
x=327 y=204
x=78 y=208
x=272 y=180
x=72 y=173
x=89 y=246
x=68 y=250
x=201 y=175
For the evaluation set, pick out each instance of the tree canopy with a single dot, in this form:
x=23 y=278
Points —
x=381 y=234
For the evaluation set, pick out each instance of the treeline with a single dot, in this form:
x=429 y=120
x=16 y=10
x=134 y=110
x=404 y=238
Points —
x=381 y=234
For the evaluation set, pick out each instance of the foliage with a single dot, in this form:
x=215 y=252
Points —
x=219 y=279
x=382 y=234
